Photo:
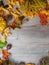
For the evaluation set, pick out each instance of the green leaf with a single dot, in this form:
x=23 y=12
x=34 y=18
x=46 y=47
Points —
x=2 y=44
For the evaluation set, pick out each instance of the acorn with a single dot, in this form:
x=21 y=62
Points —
x=21 y=63
x=9 y=46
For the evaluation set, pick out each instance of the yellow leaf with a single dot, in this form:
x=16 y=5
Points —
x=15 y=15
x=21 y=0
x=30 y=14
x=24 y=13
x=0 y=61
x=47 y=17
x=2 y=24
x=12 y=3
x=45 y=12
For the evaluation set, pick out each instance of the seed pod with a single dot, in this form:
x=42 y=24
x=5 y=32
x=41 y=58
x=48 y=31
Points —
x=10 y=19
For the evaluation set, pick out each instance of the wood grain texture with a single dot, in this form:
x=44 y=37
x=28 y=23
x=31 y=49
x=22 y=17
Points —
x=30 y=43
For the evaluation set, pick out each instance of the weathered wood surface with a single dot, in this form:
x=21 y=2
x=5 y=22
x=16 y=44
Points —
x=29 y=43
